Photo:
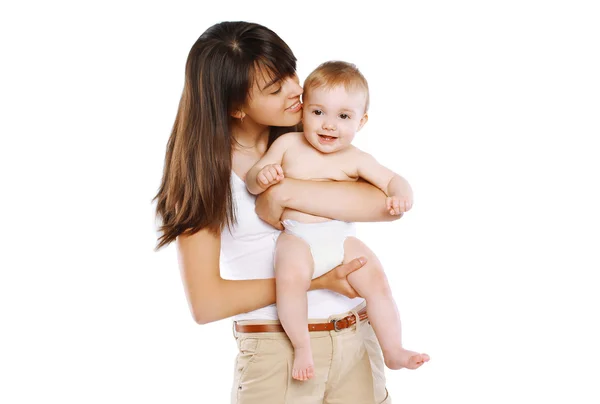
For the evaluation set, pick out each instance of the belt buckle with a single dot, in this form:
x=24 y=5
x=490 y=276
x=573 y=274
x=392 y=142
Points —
x=335 y=326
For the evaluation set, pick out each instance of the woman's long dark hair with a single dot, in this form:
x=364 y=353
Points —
x=195 y=191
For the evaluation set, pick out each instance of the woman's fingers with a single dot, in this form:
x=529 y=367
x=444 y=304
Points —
x=345 y=270
x=353 y=265
x=336 y=280
x=350 y=292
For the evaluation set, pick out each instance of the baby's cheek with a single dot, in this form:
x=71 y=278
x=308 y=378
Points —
x=308 y=123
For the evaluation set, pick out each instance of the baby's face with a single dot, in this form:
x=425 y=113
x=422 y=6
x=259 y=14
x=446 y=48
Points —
x=331 y=117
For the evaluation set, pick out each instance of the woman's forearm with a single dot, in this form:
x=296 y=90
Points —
x=341 y=200
x=242 y=296
x=232 y=297
x=211 y=297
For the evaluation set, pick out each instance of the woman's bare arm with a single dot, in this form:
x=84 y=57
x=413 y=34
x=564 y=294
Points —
x=341 y=200
x=213 y=298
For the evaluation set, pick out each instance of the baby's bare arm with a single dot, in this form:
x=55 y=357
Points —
x=273 y=157
x=397 y=189
x=382 y=177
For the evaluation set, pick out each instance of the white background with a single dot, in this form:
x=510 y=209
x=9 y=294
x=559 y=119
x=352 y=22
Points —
x=490 y=110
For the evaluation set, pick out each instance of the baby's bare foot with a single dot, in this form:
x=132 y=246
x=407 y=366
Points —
x=303 y=368
x=405 y=359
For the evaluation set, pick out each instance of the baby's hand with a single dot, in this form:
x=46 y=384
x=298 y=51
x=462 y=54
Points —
x=269 y=175
x=398 y=204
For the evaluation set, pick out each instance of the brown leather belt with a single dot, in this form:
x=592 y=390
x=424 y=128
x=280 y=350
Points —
x=333 y=325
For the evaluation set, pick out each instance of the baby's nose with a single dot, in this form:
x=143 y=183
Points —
x=328 y=126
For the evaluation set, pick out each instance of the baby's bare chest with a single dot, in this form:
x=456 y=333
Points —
x=308 y=164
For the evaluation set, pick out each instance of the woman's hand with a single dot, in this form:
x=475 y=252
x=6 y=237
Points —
x=336 y=280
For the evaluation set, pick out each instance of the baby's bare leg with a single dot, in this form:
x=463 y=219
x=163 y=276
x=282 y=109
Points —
x=293 y=272
x=371 y=283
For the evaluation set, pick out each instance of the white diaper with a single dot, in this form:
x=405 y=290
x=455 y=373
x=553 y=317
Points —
x=326 y=241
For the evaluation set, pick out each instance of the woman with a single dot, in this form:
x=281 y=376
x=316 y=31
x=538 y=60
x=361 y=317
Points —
x=241 y=92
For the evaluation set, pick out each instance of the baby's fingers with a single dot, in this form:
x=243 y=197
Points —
x=262 y=179
x=267 y=176
x=270 y=174
x=274 y=171
x=396 y=206
x=279 y=170
x=401 y=206
x=389 y=205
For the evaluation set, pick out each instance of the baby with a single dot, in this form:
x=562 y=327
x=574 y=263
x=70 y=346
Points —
x=336 y=99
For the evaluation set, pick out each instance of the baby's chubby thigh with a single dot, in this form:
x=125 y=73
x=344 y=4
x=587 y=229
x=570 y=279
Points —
x=293 y=261
x=369 y=280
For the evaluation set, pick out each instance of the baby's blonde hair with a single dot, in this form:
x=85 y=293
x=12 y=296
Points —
x=335 y=73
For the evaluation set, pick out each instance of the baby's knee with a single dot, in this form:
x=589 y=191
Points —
x=377 y=278
x=354 y=248
x=371 y=274
x=293 y=275
x=370 y=282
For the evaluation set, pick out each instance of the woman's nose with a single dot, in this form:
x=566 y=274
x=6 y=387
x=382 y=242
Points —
x=295 y=90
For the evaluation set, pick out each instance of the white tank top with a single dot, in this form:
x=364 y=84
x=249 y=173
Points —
x=247 y=253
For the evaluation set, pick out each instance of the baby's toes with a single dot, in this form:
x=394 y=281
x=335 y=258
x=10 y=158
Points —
x=418 y=360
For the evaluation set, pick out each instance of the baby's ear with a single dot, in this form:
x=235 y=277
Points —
x=362 y=122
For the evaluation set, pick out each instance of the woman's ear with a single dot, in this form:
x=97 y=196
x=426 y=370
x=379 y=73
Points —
x=238 y=114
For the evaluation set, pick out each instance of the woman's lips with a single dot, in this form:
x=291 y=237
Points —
x=294 y=107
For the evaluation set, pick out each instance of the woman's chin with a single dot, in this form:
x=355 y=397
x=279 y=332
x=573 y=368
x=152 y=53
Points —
x=290 y=121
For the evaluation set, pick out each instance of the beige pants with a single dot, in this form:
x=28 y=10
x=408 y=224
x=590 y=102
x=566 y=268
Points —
x=349 y=368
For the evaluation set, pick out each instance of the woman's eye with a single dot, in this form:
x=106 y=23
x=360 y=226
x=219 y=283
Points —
x=344 y=116
x=276 y=91
x=318 y=112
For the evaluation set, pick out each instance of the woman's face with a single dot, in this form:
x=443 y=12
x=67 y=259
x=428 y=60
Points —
x=274 y=104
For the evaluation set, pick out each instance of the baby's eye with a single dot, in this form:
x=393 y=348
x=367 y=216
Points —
x=344 y=116
x=318 y=112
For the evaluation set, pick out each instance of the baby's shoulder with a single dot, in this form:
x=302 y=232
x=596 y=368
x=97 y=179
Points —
x=285 y=142
x=353 y=152
x=291 y=137
x=356 y=157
